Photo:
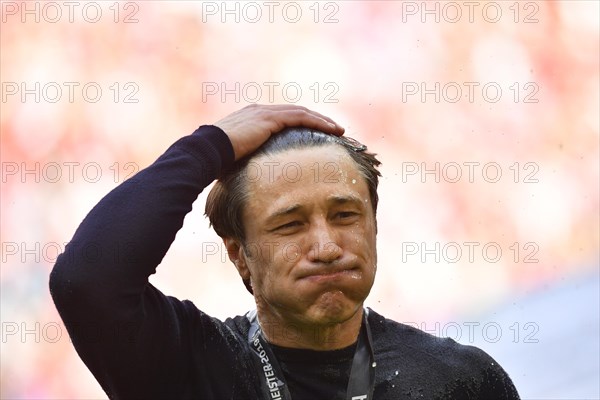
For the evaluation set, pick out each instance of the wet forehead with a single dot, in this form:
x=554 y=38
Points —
x=299 y=176
x=301 y=167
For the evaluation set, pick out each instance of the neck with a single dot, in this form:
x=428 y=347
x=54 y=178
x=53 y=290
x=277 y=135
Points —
x=293 y=333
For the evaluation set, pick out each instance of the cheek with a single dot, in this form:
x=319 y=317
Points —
x=364 y=245
x=288 y=254
x=363 y=236
x=270 y=261
x=257 y=261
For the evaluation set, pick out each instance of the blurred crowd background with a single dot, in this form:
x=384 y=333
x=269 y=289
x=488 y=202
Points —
x=485 y=115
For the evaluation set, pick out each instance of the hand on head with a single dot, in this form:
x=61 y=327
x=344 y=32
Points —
x=251 y=126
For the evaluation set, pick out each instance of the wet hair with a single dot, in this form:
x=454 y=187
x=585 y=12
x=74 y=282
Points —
x=229 y=195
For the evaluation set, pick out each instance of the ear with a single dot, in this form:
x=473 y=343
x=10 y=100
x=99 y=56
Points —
x=237 y=257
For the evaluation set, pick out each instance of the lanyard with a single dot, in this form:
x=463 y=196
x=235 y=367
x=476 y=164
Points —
x=274 y=387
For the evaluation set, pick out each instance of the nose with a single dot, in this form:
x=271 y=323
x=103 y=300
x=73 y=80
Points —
x=324 y=245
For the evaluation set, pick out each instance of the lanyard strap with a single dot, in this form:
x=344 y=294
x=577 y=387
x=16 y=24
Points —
x=273 y=385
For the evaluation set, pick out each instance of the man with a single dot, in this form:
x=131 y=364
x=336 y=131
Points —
x=296 y=210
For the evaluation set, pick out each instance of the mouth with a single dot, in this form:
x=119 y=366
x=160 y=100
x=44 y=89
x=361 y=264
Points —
x=333 y=275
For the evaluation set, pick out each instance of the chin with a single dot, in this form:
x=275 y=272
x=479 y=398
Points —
x=333 y=308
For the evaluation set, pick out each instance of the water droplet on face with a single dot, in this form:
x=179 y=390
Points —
x=353 y=181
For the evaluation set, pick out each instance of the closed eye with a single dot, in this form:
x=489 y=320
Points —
x=346 y=216
x=288 y=225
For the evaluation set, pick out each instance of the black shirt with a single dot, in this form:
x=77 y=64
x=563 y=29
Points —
x=318 y=375
x=142 y=344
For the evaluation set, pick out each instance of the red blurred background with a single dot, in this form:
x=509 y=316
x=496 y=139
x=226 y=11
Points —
x=485 y=115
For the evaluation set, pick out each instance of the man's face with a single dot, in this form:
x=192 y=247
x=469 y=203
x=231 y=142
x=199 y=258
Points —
x=310 y=235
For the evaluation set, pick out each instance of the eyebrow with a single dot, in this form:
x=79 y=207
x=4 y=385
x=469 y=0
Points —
x=284 y=211
x=335 y=199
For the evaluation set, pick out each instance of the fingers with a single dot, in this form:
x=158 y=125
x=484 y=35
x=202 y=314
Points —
x=251 y=126
x=315 y=121
x=286 y=115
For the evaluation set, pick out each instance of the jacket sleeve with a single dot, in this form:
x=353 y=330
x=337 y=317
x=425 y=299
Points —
x=127 y=332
